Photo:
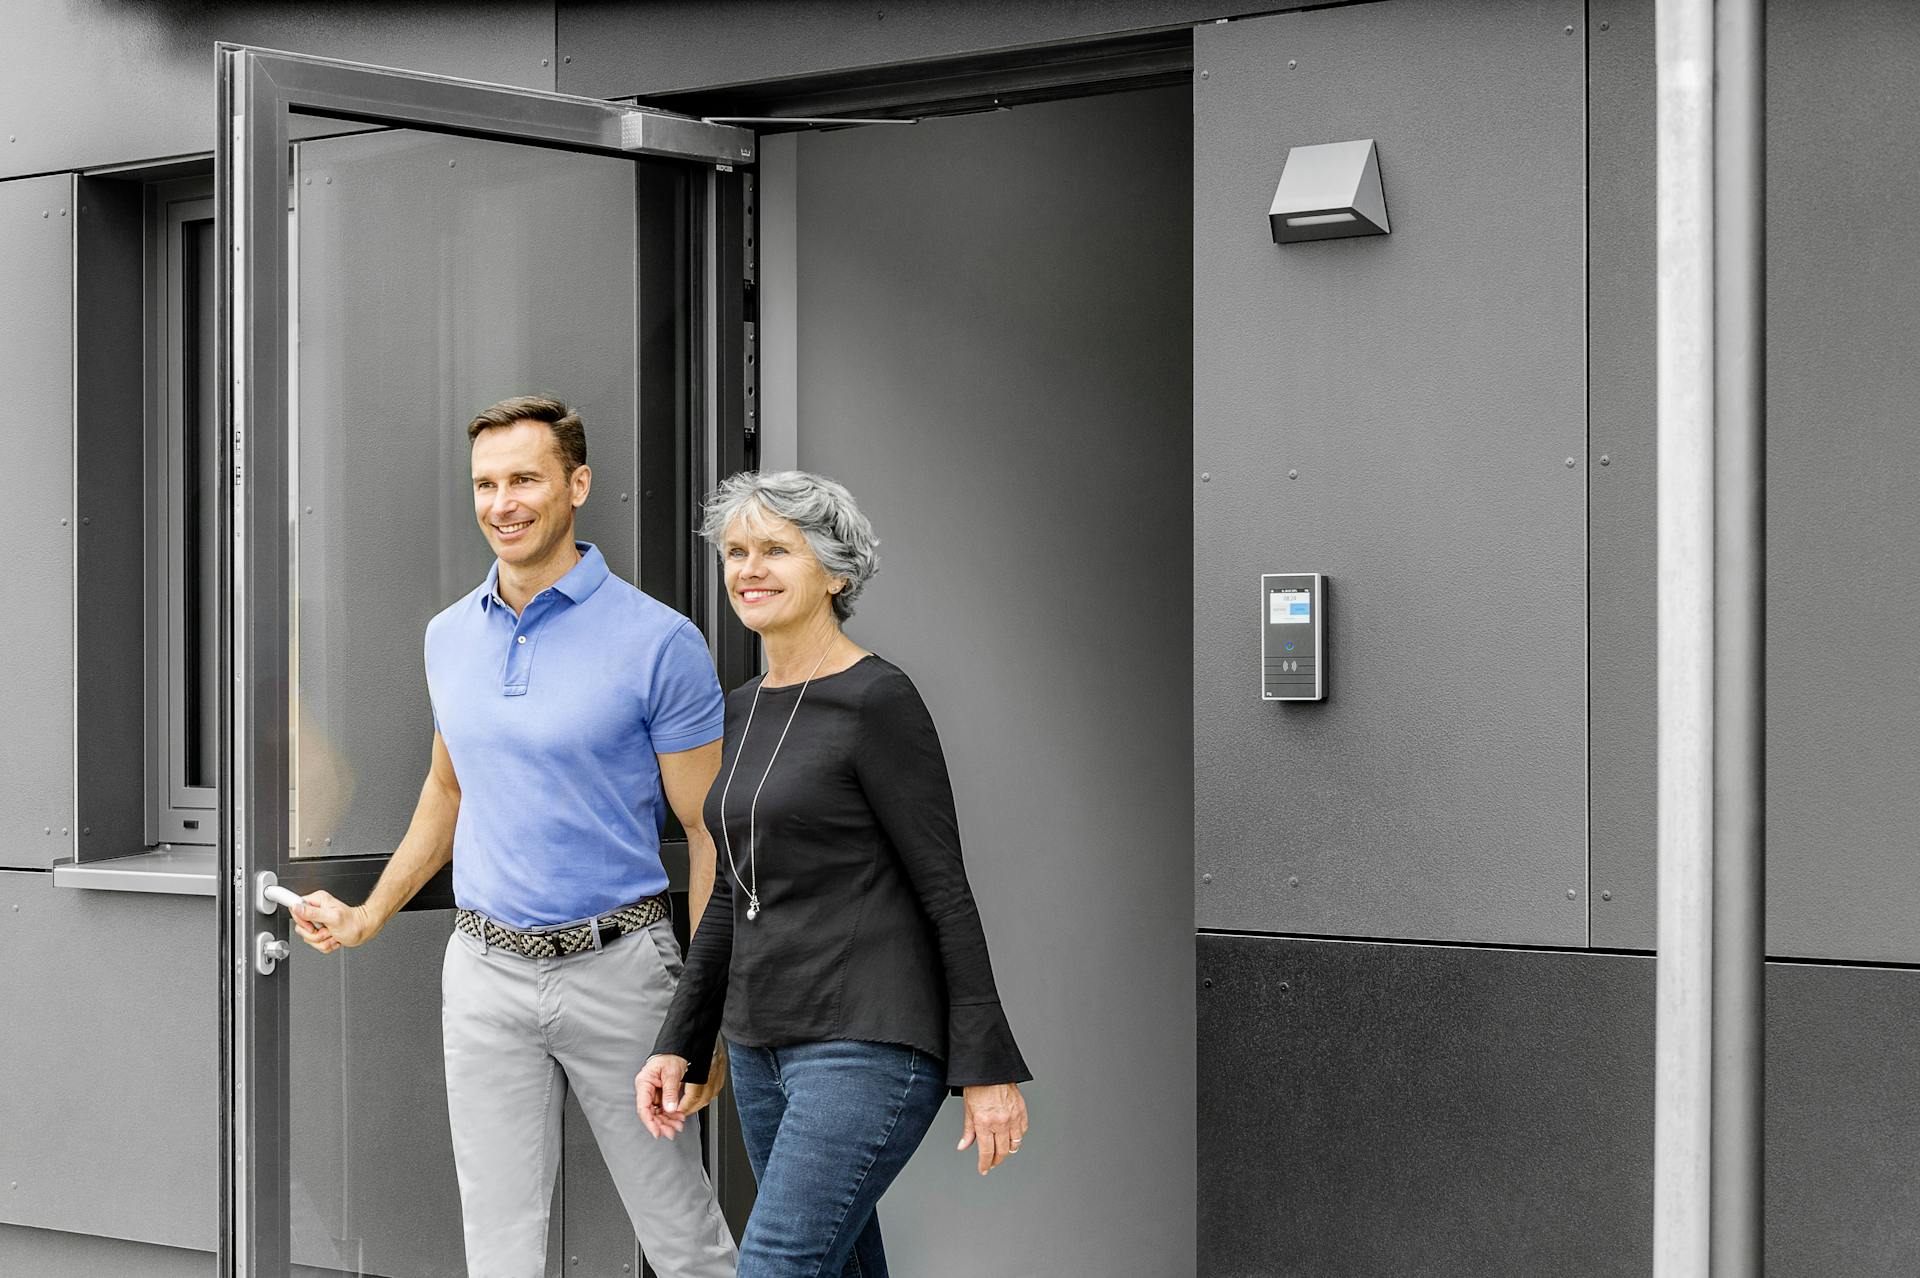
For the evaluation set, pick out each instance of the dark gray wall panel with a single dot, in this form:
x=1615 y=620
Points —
x=1373 y=1111
x=1843 y=504
x=1385 y=1110
x=36 y=646
x=1429 y=389
x=614 y=48
x=108 y=1080
x=1620 y=478
x=993 y=337
x=110 y=565
x=1843 y=1118
x=105 y=82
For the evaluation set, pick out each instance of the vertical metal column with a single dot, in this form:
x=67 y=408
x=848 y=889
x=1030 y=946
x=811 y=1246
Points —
x=1707 y=1097
x=1739 y=629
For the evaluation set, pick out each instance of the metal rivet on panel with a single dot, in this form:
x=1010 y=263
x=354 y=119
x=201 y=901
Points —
x=1206 y=878
x=1293 y=474
x=63 y=523
x=43 y=213
x=1572 y=893
x=1292 y=63
x=1284 y=987
x=86 y=829
x=63 y=212
x=1206 y=476
x=453 y=164
x=1204 y=75
x=1571 y=462
x=1293 y=882
x=546 y=62
x=87 y=519
x=623 y=496
x=1208 y=982
x=568 y=58
x=1569 y=30
x=1605 y=25
x=1606 y=896
x=329 y=181
x=63 y=831
x=1605 y=460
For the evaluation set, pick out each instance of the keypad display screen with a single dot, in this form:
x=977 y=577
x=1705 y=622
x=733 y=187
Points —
x=1289 y=606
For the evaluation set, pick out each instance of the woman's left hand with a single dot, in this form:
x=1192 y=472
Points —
x=996 y=1118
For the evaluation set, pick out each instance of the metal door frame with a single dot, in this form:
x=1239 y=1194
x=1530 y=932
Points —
x=259 y=92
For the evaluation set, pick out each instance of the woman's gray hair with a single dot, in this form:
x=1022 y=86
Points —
x=839 y=535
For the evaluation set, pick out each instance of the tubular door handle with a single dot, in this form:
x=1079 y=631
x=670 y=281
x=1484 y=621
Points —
x=267 y=893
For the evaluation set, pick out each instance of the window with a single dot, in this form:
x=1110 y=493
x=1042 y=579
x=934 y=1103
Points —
x=182 y=460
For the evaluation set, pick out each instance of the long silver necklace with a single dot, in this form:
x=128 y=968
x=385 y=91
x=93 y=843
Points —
x=752 y=881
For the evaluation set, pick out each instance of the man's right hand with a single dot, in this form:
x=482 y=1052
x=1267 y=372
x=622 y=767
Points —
x=326 y=923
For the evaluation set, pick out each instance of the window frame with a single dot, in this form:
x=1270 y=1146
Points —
x=177 y=811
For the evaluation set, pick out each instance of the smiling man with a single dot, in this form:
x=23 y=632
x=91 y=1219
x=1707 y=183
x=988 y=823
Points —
x=568 y=706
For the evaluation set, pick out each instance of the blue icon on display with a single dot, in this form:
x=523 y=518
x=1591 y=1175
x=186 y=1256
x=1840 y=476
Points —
x=1297 y=609
x=1288 y=647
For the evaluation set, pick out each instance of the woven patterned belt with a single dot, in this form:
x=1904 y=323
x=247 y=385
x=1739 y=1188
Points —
x=573 y=938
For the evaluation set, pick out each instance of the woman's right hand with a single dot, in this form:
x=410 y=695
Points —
x=657 y=1090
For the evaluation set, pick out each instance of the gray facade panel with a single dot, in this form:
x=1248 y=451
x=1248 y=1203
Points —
x=36 y=646
x=101 y=82
x=47 y=1253
x=1843 y=488
x=1620 y=475
x=437 y=275
x=1428 y=388
x=993 y=334
x=108 y=1078
x=1402 y=1110
x=611 y=48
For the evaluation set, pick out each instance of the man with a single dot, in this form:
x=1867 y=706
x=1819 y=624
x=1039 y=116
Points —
x=566 y=705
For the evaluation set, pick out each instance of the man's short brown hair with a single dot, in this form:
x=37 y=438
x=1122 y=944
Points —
x=569 y=436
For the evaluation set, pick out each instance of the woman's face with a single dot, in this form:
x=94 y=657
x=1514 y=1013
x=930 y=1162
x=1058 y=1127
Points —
x=773 y=578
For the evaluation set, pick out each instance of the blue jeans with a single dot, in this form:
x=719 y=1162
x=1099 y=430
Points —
x=827 y=1127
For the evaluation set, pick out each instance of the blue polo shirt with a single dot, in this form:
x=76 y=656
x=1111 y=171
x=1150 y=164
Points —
x=553 y=719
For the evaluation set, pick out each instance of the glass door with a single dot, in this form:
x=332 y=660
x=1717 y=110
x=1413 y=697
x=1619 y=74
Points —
x=398 y=251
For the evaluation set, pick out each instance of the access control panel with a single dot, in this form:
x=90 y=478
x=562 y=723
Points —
x=1293 y=636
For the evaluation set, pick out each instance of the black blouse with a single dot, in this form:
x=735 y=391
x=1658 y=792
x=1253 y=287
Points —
x=867 y=929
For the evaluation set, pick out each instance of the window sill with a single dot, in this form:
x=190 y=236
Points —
x=183 y=871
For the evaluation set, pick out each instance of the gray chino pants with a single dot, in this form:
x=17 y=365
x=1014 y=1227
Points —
x=518 y=1033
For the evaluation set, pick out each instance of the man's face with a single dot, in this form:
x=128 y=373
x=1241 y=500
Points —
x=522 y=496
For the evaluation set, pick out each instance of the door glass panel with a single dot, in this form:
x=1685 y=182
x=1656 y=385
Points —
x=436 y=276
x=433 y=276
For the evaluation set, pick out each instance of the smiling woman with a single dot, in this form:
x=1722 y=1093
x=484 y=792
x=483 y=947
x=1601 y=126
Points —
x=843 y=959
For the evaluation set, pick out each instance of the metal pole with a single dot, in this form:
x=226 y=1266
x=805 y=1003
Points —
x=1683 y=1026
x=1739 y=629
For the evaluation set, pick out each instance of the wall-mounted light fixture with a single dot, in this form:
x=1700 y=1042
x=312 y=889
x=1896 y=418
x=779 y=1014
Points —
x=1329 y=192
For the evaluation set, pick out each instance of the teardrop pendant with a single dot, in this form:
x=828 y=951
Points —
x=753 y=908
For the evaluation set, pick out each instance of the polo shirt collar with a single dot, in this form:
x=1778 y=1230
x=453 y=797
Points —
x=581 y=580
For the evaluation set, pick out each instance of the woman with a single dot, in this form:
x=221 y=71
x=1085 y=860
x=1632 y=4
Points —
x=841 y=954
